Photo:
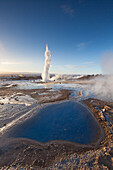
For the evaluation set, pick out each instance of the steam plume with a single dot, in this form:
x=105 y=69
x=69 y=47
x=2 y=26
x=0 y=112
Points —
x=107 y=63
x=102 y=87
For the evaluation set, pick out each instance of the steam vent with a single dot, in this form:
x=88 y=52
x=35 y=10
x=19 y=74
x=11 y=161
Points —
x=45 y=74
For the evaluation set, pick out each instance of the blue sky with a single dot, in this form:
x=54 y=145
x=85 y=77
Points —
x=78 y=33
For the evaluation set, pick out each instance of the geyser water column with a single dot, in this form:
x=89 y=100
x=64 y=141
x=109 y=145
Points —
x=45 y=74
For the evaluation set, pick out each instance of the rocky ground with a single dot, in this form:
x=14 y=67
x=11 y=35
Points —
x=17 y=105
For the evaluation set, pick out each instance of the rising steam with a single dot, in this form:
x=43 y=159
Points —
x=107 y=63
x=102 y=87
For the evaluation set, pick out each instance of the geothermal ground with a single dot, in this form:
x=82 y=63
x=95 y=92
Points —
x=20 y=100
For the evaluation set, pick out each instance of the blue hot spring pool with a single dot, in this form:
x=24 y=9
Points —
x=70 y=121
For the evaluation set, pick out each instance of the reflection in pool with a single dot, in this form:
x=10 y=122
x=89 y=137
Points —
x=69 y=121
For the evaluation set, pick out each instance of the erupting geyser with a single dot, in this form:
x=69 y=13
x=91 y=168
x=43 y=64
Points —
x=45 y=74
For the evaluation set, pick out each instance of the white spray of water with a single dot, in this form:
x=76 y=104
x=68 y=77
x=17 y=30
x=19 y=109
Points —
x=102 y=87
x=45 y=74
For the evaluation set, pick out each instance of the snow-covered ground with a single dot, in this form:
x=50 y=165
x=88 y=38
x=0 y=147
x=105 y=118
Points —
x=19 y=98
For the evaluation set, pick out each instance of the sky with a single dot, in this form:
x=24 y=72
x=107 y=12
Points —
x=78 y=34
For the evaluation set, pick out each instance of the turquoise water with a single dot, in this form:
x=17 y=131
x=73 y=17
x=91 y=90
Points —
x=69 y=121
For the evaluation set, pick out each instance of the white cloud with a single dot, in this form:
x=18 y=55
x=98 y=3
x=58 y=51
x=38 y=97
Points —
x=67 y=9
x=79 y=66
x=9 y=63
x=82 y=45
x=89 y=62
x=71 y=66
x=84 y=65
